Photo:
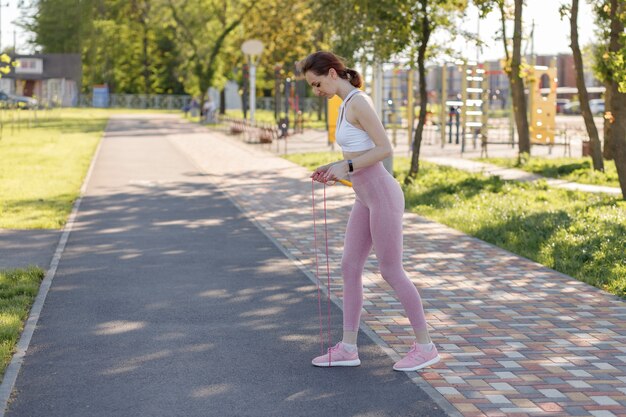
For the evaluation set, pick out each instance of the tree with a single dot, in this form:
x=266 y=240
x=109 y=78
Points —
x=166 y=61
x=592 y=131
x=513 y=63
x=517 y=83
x=203 y=28
x=115 y=47
x=59 y=26
x=125 y=44
x=411 y=26
x=370 y=30
x=288 y=31
x=141 y=15
x=393 y=28
x=430 y=15
x=611 y=69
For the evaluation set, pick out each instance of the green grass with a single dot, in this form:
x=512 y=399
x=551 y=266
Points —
x=42 y=167
x=43 y=162
x=580 y=234
x=313 y=160
x=18 y=289
x=267 y=116
x=570 y=169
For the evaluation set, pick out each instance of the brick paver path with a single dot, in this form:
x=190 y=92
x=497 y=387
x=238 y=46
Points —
x=516 y=338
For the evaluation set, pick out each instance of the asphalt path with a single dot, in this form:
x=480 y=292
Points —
x=22 y=248
x=168 y=301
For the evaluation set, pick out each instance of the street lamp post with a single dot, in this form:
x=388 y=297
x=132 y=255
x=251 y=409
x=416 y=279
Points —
x=252 y=48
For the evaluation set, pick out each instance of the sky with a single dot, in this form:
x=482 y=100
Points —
x=551 y=33
x=11 y=13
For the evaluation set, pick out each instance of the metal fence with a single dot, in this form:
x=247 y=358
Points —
x=140 y=101
x=304 y=104
x=310 y=105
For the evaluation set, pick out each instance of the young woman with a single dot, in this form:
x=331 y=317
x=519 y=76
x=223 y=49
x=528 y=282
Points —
x=376 y=217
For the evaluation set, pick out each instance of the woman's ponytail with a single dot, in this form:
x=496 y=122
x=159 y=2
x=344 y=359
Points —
x=354 y=77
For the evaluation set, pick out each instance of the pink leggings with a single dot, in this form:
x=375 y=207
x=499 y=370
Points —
x=376 y=220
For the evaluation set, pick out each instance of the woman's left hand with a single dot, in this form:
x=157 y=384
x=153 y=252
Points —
x=336 y=172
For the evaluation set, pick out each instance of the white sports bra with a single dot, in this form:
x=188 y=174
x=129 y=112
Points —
x=350 y=138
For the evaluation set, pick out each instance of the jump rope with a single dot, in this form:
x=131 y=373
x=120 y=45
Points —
x=317 y=273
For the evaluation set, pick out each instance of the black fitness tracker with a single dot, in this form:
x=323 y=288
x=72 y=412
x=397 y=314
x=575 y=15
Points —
x=350 y=166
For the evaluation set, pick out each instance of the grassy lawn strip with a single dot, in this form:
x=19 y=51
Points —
x=42 y=167
x=570 y=169
x=580 y=234
x=43 y=163
x=18 y=289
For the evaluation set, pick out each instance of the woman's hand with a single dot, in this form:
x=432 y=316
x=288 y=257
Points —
x=319 y=172
x=338 y=171
x=331 y=173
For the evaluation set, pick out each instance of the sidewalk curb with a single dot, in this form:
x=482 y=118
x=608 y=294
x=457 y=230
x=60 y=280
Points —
x=13 y=369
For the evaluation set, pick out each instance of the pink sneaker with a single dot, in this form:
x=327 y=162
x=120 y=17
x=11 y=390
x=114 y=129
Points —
x=338 y=356
x=417 y=359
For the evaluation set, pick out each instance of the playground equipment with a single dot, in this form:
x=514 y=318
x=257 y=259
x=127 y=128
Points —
x=473 y=106
x=469 y=114
x=333 y=112
x=542 y=106
x=395 y=118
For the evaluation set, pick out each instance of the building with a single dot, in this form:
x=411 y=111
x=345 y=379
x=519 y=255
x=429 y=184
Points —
x=54 y=79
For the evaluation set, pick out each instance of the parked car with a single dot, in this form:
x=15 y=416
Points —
x=13 y=100
x=560 y=103
x=4 y=99
x=572 y=108
x=597 y=106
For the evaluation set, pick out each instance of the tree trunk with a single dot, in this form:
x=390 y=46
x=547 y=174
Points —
x=592 y=131
x=207 y=73
x=618 y=99
x=145 y=61
x=320 y=108
x=205 y=70
x=517 y=84
x=223 y=101
x=421 y=69
x=618 y=134
x=608 y=143
x=244 y=102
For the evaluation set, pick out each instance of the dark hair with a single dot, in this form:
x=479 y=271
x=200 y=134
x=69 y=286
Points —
x=321 y=62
